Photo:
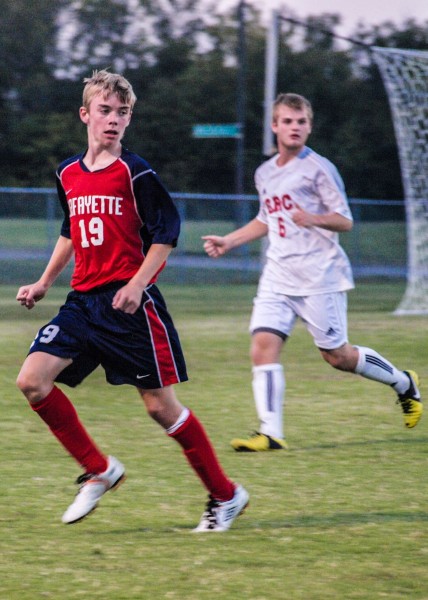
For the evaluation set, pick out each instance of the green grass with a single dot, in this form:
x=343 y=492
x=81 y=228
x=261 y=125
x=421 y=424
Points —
x=27 y=233
x=341 y=515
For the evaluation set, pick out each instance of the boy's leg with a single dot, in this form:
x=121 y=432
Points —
x=182 y=425
x=36 y=381
x=200 y=453
x=61 y=417
x=326 y=319
x=101 y=473
x=269 y=392
x=272 y=320
x=226 y=499
x=374 y=366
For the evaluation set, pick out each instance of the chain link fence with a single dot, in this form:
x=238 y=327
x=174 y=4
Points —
x=30 y=221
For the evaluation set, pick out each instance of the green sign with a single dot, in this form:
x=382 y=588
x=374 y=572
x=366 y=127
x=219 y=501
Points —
x=210 y=130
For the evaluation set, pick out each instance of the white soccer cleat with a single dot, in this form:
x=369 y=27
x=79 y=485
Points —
x=219 y=516
x=93 y=487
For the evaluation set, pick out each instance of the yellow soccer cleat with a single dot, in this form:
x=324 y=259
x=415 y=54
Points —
x=258 y=442
x=410 y=401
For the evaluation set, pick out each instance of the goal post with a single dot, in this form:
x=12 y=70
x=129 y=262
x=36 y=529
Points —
x=405 y=77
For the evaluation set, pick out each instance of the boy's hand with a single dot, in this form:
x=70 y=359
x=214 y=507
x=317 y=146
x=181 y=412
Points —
x=302 y=218
x=215 y=245
x=128 y=298
x=29 y=294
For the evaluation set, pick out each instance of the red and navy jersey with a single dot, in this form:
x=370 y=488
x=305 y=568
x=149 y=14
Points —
x=112 y=217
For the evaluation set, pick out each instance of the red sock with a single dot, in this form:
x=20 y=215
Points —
x=200 y=454
x=60 y=416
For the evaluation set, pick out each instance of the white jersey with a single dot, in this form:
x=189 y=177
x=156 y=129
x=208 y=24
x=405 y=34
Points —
x=301 y=261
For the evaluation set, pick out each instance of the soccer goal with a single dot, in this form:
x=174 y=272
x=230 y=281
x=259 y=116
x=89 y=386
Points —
x=405 y=77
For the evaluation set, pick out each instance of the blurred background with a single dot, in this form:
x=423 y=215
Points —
x=194 y=62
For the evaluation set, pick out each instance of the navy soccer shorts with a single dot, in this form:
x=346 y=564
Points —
x=142 y=349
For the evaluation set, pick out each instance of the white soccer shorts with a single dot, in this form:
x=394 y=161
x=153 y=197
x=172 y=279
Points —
x=324 y=316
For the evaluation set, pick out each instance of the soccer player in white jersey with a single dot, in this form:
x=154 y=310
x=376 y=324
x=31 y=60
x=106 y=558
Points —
x=303 y=207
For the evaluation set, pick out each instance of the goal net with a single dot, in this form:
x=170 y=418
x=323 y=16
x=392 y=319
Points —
x=405 y=77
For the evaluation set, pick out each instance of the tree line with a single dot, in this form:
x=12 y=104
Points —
x=181 y=57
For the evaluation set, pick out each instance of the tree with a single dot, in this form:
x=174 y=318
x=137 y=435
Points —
x=181 y=57
x=97 y=34
x=26 y=40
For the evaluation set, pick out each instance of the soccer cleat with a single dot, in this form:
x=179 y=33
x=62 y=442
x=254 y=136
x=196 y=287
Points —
x=411 y=401
x=258 y=442
x=92 y=488
x=219 y=516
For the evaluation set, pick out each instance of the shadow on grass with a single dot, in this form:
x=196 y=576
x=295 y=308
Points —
x=356 y=443
x=327 y=521
x=346 y=519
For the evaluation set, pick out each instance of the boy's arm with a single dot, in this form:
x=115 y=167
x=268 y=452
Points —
x=31 y=293
x=331 y=221
x=216 y=245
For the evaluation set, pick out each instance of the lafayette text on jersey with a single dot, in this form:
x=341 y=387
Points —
x=302 y=261
x=112 y=232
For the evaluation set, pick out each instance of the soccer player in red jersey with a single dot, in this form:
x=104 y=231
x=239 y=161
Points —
x=120 y=224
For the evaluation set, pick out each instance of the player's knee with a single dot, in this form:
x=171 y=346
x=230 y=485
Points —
x=162 y=405
x=29 y=386
x=162 y=415
x=339 y=358
x=266 y=347
x=23 y=382
x=255 y=356
x=336 y=362
x=262 y=354
x=154 y=406
x=155 y=412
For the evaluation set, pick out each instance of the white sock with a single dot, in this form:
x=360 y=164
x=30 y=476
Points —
x=374 y=366
x=181 y=419
x=269 y=392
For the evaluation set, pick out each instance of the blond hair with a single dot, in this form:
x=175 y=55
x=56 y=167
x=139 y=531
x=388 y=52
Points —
x=292 y=101
x=107 y=84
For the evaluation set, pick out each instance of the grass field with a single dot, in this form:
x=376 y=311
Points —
x=342 y=515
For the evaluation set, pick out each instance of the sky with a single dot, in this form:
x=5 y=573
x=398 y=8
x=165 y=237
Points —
x=370 y=12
